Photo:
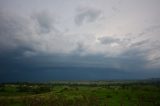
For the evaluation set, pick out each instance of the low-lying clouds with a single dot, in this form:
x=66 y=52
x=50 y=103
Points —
x=91 y=37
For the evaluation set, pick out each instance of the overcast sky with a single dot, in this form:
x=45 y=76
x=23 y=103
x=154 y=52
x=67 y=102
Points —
x=120 y=37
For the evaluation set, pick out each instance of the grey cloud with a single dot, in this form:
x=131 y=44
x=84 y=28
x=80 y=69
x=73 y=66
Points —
x=18 y=32
x=151 y=45
x=149 y=30
x=45 y=22
x=12 y=31
x=135 y=58
x=87 y=15
x=37 y=45
x=37 y=32
x=108 y=40
x=80 y=48
x=136 y=51
x=68 y=67
x=140 y=43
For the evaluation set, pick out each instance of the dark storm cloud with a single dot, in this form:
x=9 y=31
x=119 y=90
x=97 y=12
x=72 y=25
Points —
x=21 y=38
x=35 y=46
x=87 y=15
x=61 y=67
x=17 y=62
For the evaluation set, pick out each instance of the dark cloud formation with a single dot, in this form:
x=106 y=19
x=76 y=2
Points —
x=37 y=45
x=22 y=57
x=87 y=15
x=73 y=67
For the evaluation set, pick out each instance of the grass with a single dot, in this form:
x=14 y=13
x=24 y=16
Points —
x=79 y=95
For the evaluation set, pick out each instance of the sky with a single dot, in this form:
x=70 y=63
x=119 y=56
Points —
x=43 y=40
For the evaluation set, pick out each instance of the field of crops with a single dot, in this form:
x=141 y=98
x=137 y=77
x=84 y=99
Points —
x=27 y=94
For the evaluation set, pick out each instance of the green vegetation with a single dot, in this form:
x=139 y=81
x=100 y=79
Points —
x=80 y=94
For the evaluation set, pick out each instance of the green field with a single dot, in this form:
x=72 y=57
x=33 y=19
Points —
x=80 y=94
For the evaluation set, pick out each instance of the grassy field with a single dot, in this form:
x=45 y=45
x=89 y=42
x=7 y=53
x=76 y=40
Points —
x=80 y=94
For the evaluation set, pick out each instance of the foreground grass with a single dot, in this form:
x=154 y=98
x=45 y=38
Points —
x=80 y=95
